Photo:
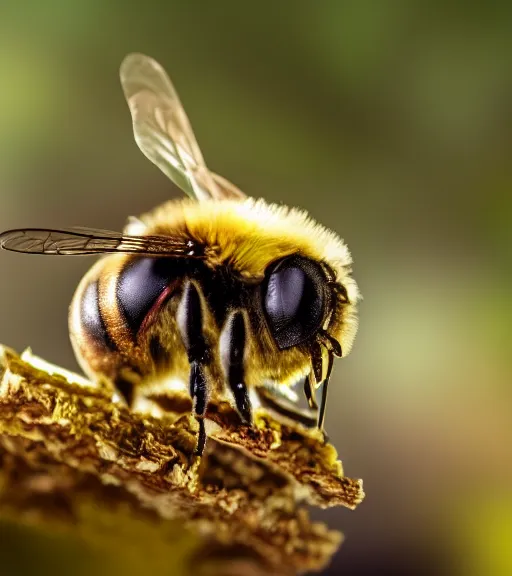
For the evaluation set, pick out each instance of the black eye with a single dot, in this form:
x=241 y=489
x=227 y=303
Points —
x=294 y=300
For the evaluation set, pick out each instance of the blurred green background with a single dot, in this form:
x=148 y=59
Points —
x=391 y=122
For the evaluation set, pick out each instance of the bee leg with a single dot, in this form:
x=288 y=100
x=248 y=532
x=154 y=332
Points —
x=315 y=375
x=309 y=391
x=333 y=348
x=317 y=363
x=199 y=393
x=126 y=389
x=331 y=343
x=323 y=403
x=232 y=353
x=190 y=323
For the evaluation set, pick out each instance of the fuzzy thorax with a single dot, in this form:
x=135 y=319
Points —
x=251 y=234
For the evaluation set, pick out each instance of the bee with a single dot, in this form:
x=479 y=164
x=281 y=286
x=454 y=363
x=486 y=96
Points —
x=215 y=297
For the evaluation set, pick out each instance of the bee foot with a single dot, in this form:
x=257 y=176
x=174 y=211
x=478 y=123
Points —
x=201 y=438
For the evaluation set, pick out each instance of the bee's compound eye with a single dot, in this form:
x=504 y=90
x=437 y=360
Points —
x=294 y=300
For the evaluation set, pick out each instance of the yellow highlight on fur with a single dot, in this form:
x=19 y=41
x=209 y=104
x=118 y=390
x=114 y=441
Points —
x=249 y=235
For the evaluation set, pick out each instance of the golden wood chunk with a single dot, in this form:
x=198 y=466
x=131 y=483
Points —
x=74 y=459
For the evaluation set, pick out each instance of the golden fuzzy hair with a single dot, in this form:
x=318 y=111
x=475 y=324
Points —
x=248 y=235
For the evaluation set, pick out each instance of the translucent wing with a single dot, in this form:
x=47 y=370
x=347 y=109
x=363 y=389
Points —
x=226 y=189
x=83 y=241
x=163 y=132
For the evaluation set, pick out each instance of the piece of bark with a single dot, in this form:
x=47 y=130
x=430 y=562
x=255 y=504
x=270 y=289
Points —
x=74 y=459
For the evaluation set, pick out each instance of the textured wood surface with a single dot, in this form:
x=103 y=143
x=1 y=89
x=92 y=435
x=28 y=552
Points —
x=74 y=459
